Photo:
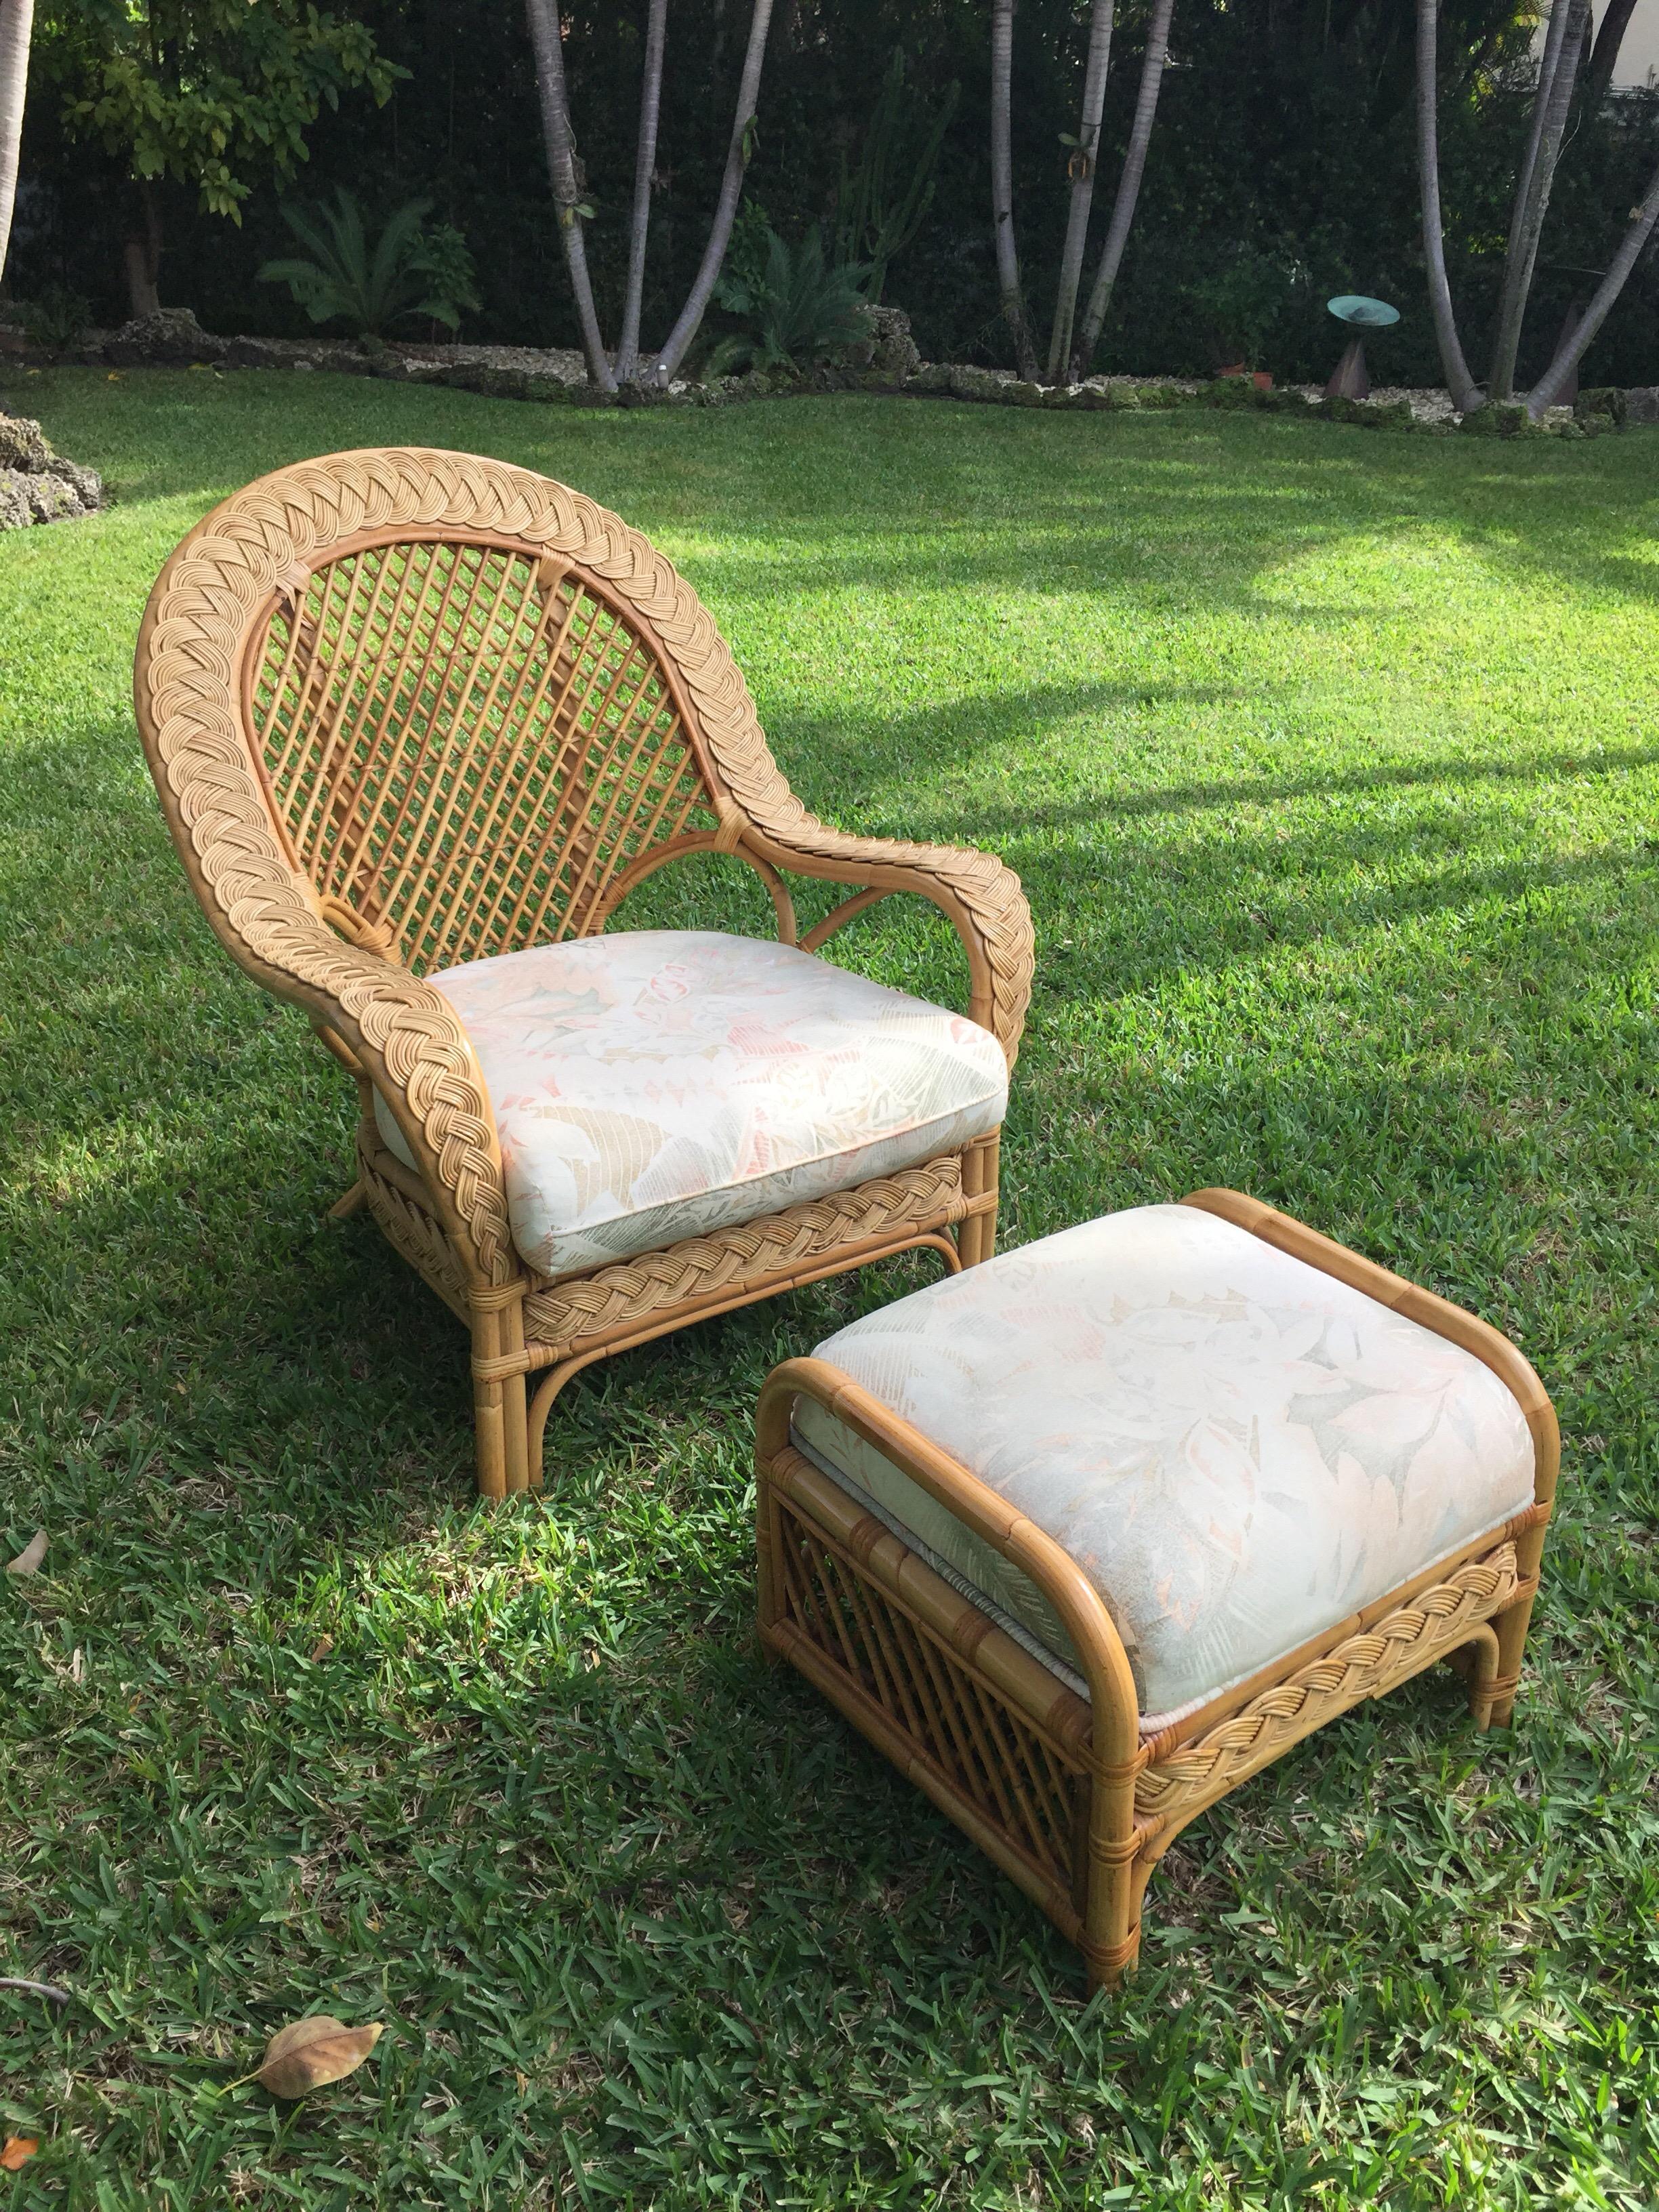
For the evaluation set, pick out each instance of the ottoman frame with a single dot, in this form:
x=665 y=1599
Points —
x=1063 y=1793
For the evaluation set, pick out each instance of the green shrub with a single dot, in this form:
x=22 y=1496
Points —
x=797 y=309
x=58 y=320
x=407 y=271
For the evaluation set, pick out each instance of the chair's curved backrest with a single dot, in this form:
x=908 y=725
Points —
x=475 y=704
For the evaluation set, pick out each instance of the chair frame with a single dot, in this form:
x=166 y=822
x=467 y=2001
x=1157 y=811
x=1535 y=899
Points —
x=205 y=639
x=1064 y=1793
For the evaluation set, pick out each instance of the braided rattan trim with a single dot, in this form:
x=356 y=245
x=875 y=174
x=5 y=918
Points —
x=563 y=1315
x=1402 y=1644
x=411 y=1231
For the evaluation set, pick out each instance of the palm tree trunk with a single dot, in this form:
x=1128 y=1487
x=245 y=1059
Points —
x=1128 y=184
x=1563 y=46
x=1568 y=357
x=645 y=161
x=1465 y=393
x=16 y=22
x=1002 y=185
x=547 y=39
x=1084 y=160
x=725 y=207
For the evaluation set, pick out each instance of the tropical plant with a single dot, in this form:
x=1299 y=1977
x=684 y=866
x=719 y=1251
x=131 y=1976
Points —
x=1238 y=303
x=58 y=320
x=16 y=23
x=877 y=215
x=211 y=93
x=407 y=270
x=799 y=309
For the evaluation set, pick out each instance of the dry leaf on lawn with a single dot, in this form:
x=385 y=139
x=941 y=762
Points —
x=17 y=2151
x=309 y=2053
x=27 y=1562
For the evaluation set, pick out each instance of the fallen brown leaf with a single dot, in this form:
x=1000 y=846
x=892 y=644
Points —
x=17 y=2151
x=27 y=1562
x=309 y=2053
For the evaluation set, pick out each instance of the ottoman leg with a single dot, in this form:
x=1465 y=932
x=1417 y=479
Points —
x=1511 y=1631
x=1111 y=1940
x=1119 y=1862
x=1511 y=1624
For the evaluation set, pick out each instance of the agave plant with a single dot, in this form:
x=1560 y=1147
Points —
x=798 y=308
x=407 y=270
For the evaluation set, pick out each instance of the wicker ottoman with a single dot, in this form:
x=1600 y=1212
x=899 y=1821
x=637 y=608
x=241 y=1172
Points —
x=1083 y=1536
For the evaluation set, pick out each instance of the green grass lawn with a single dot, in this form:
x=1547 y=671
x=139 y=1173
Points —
x=1330 y=762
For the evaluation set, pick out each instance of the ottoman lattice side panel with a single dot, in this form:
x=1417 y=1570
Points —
x=927 y=1676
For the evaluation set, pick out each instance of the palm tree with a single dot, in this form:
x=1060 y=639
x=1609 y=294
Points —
x=645 y=163
x=1153 y=66
x=1564 y=45
x=1002 y=185
x=739 y=153
x=1086 y=159
x=1459 y=382
x=16 y=23
x=547 y=38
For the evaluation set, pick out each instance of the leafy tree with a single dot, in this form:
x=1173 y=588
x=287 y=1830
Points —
x=407 y=270
x=215 y=95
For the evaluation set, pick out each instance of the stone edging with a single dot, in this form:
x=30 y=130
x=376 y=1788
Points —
x=556 y=376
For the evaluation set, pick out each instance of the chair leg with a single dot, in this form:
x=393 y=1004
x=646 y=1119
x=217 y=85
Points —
x=976 y=1237
x=500 y=1417
x=350 y=1202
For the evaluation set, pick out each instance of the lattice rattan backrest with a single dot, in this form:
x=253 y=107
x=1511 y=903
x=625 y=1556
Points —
x=465 y=743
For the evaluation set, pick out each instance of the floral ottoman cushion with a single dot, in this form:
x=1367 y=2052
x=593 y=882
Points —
x=1238 y=1450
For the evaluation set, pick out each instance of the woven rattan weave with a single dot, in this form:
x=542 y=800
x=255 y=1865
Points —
x=406 y=710
x=1064 y=1792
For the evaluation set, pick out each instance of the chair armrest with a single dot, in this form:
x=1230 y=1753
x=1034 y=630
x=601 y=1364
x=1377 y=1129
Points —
x=415 y=1051
x=979 y=896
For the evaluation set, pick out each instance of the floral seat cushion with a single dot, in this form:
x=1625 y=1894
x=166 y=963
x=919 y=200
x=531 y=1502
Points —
x=660 y=1084
x=1237 y=1449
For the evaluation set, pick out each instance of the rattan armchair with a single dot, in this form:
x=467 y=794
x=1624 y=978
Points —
x=410 y=709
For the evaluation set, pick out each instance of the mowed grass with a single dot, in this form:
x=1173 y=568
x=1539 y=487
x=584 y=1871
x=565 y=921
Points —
x=1330 y=762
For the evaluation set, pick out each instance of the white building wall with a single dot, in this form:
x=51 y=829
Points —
x=1638 y=57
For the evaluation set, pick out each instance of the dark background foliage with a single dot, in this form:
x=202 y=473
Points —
x=1282 y=171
